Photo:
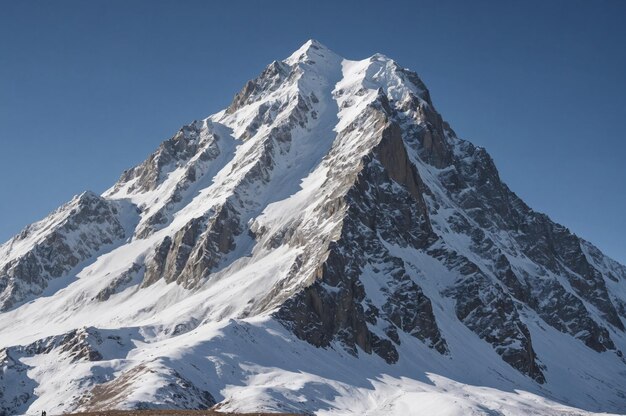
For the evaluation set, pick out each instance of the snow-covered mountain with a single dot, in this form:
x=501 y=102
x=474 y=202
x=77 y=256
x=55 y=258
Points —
x=326 y=244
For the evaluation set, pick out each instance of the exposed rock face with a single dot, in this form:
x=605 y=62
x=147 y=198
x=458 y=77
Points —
x=337 y=307
x=556 y=253
x=492 y=314
x=179 y=392
x=195 y=250
x=268 y=81
x=331 y=199
x=171 y=174
x=123 y=281
x=16 y=388
x=73 y=233
x=147 y=176
x=78 y=346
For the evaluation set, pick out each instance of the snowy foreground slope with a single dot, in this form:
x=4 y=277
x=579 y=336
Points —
x=327 y=245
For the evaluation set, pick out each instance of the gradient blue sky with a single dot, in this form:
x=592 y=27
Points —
x=90 y=88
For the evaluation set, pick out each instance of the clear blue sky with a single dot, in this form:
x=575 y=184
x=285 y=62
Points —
x=90 y=88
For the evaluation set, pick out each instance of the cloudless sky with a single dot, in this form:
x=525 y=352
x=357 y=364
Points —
x=90 y=88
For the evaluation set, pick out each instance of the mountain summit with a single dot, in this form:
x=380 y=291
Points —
x=324 y=244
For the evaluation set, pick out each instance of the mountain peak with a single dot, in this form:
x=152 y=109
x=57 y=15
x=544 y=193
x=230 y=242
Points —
x=310 y=51
x=329 y=213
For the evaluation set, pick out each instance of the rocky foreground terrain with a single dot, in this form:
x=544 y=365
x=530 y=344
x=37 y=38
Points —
x=325 y=244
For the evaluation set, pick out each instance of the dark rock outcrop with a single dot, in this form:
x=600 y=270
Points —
x=76 y=232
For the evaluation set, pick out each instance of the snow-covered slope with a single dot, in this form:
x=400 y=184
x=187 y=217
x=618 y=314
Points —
x=326 y=244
